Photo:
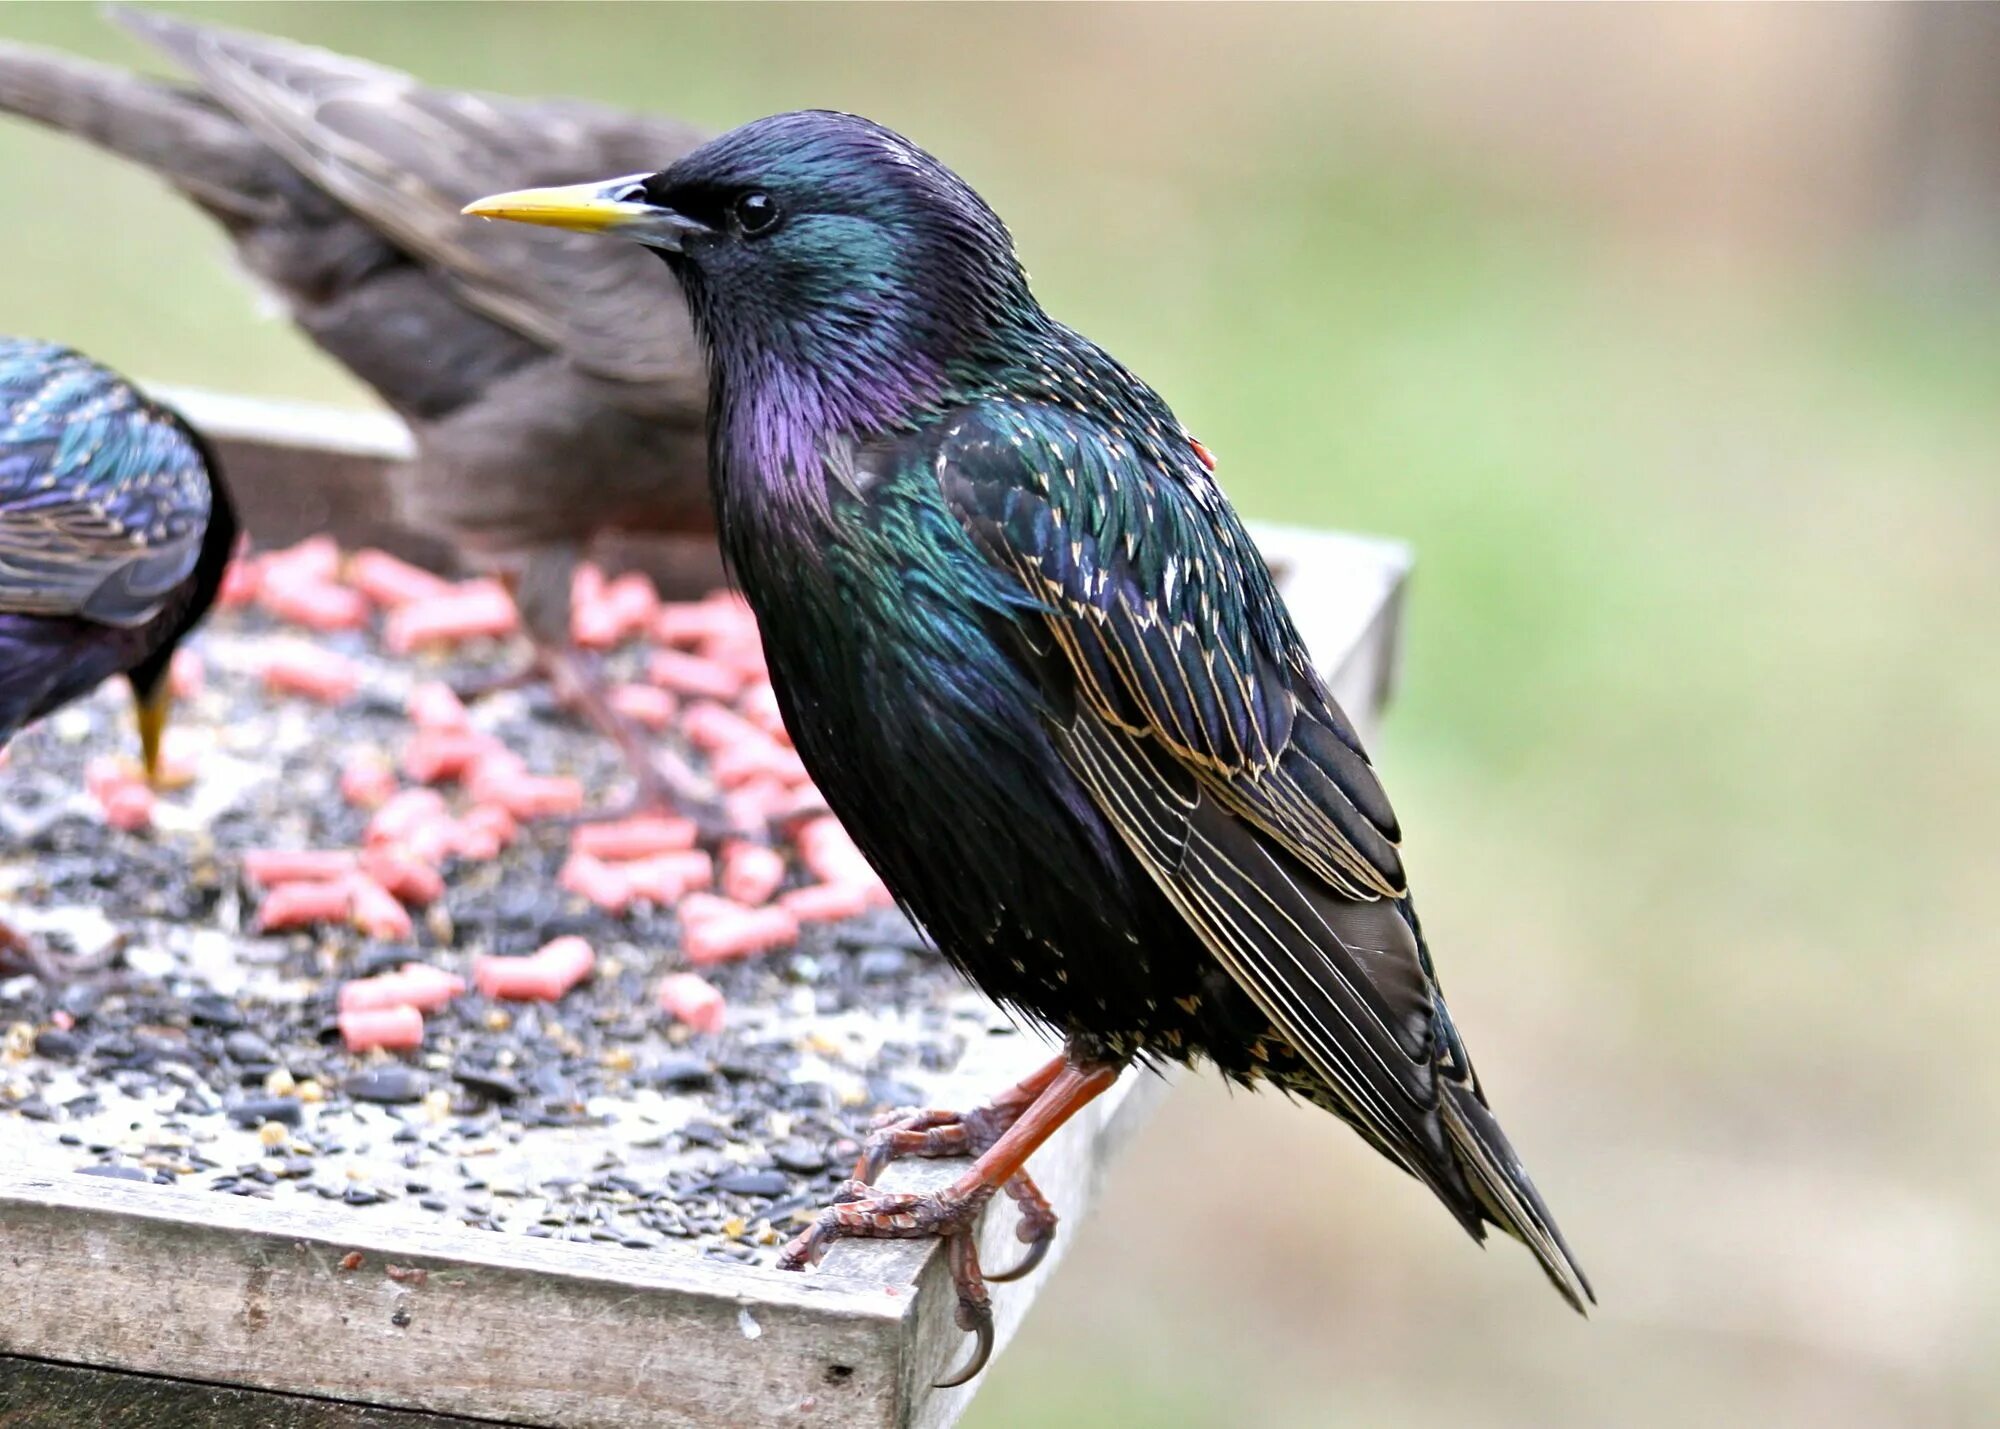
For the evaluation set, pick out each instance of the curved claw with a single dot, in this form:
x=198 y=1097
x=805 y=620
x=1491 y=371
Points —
x=663 y=784
x=1002 y=1135
x=1037 y=1229
x=474 y=688
x=982 y=1351
x=663 y=781
x=975 y=1311
x=1038 y=1251
x=21 y=954
x=796 y=1255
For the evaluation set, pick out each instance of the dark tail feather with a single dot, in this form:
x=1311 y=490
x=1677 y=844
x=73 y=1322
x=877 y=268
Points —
x=175 y=132
x=1505 y=1193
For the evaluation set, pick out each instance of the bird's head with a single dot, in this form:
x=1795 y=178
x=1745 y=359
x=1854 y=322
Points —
x=822 y=251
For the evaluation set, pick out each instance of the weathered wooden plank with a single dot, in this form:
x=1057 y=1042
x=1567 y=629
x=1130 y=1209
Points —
x=41 y=1394
x=227 y=1290
x=205 y=1292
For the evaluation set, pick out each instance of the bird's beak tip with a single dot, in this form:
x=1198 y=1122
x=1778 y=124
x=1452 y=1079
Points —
x=585 y=208
x=588 y=208
x=154 y=707
x=577 y=206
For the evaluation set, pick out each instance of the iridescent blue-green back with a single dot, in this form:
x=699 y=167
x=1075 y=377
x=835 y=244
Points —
x=104 y=496
x=112 y=533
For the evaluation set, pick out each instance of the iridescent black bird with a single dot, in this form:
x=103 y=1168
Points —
x=554 y=390
x=114 y=532
x=1026 y=648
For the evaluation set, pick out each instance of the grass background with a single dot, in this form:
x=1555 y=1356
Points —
x=1696 y=741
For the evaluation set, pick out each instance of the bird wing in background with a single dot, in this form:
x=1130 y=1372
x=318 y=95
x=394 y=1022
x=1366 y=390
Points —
x=1186 y=704
x=101 y=514
x=553 y=383
x=406 y=159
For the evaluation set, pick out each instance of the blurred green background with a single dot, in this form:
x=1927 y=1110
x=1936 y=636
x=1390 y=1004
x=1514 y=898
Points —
x=1670 y=337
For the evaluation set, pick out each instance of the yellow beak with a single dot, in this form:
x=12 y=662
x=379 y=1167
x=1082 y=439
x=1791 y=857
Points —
x=588 y=208
x=603 y=207
x=153 y=710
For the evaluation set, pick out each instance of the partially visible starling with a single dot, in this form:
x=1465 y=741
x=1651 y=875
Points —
x=1027 y=650
x=553 y=387
x=114 y=532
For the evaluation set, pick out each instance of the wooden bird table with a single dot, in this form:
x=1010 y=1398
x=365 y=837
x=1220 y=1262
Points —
x=141 y=1304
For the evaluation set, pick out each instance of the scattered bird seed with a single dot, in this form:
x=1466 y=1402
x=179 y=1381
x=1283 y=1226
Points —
x=210 y=1054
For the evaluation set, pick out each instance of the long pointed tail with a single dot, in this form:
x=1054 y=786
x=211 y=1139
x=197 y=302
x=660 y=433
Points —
x=1506 y=1195
x=187 y=139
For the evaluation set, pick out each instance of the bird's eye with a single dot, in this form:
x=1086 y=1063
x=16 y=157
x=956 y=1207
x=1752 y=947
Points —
x=632 y=193
x=756 y=213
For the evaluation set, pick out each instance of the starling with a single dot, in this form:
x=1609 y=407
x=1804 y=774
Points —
x=554 y=390
x=114 y=532
x=1027 y=650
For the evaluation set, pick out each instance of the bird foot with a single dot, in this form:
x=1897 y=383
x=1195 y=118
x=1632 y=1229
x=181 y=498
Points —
x=663 y=781
x=474 y=688
x=665 y=785
x=937 y=1133
x=1002 y=1134
x=859 y=1211
x=21 y=954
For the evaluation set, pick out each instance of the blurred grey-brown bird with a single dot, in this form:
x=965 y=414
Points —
x=555 y=392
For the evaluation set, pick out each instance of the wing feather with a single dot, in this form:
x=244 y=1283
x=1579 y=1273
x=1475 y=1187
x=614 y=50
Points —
x=1186 y=706
x=1203 y=736
x=1328 y=974
x=406 y=158
x=103 y=498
